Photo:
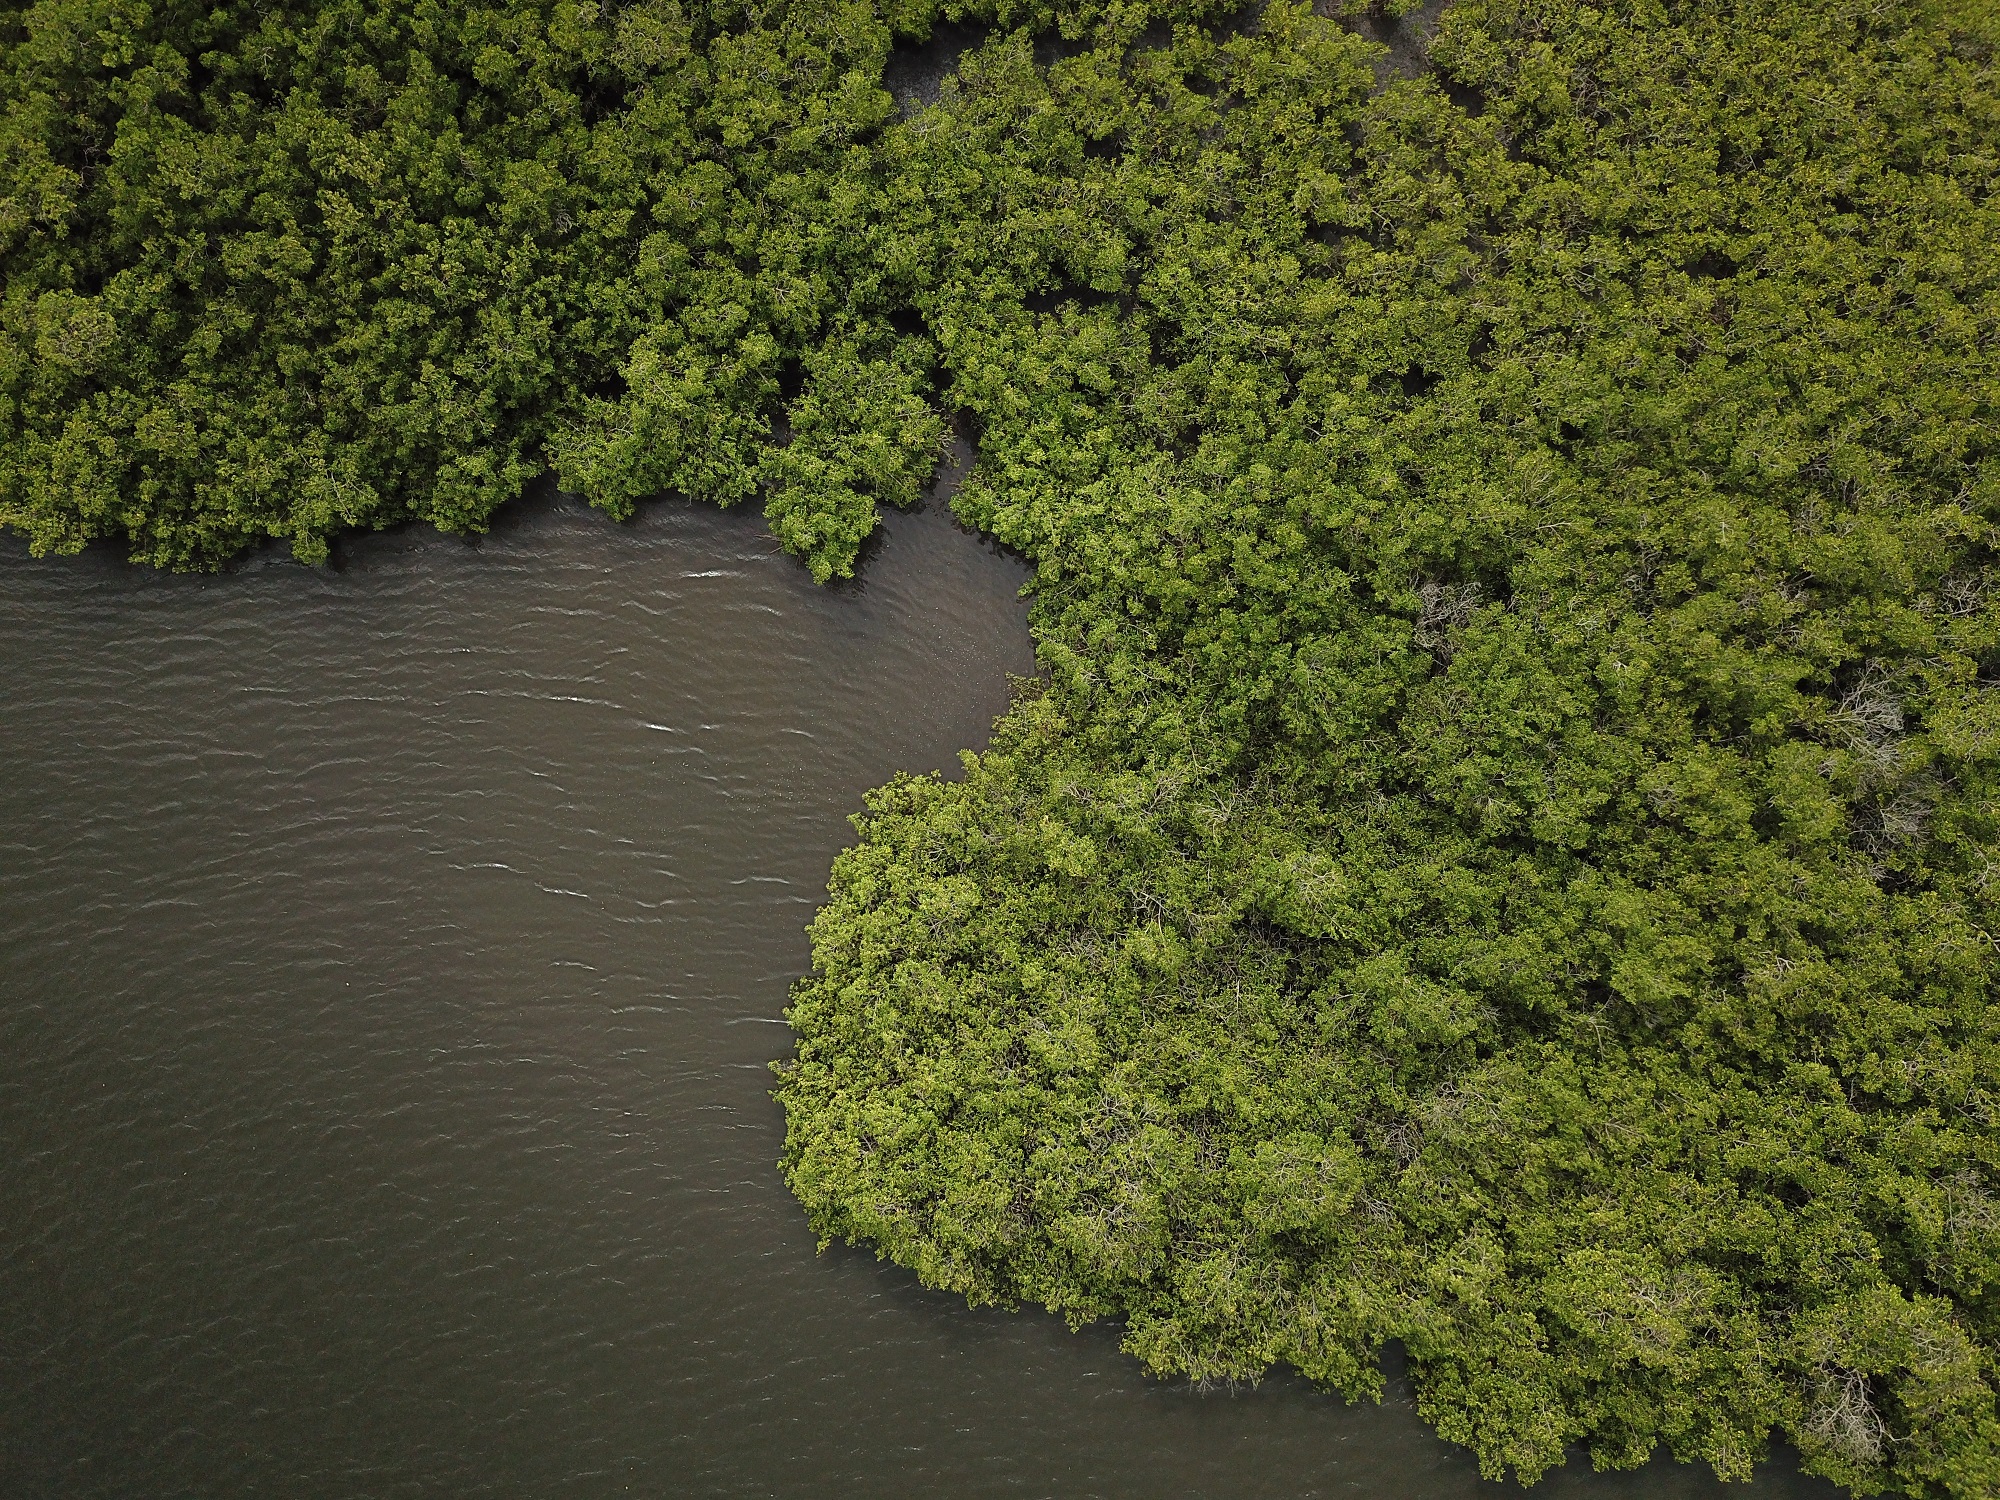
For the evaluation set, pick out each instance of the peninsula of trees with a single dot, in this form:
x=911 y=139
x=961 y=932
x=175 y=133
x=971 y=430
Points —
x=1506 y=853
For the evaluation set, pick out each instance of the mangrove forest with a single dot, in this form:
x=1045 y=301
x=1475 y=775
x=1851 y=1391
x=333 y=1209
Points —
x=1503 y=854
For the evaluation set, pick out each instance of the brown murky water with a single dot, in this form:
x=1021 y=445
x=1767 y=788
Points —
x=390 y=956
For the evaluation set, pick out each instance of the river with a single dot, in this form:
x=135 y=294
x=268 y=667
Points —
x=390 y=956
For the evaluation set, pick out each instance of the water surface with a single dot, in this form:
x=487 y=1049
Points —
x=390 y=956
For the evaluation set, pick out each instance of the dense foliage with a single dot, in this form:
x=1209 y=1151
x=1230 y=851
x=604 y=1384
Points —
x=274 y=270
x=1507 y=853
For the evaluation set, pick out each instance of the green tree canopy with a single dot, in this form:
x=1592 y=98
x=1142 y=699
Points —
x=1506 y=856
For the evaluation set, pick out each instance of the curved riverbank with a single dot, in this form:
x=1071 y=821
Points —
x=393 y=954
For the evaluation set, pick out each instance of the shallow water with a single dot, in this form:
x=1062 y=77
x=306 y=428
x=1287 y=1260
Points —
x=390 y=956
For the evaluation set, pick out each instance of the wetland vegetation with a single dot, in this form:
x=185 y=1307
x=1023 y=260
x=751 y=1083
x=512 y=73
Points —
x=1506 y=852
